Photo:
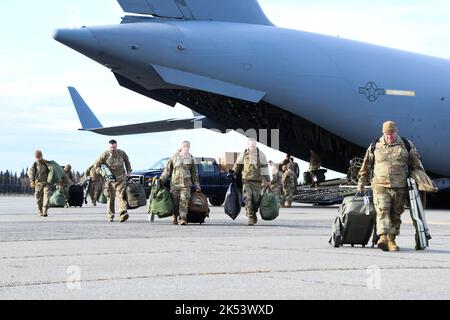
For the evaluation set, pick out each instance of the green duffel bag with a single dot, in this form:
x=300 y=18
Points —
x=57 y=200
x=269 y=207
x=161 y=204
x=102 y=198
x=56 y=172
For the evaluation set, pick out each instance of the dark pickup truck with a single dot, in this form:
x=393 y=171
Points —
x=213 y=182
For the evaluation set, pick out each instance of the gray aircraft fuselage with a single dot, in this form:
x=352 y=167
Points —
x=339 y=91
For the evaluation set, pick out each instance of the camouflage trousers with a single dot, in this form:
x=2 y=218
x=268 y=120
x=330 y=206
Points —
x=113 y=191
x=94 y=191
x=42 y=194
x=252 y=198
x=288 y=193
x=180 y=198
x=65 y=190
x=389 y=204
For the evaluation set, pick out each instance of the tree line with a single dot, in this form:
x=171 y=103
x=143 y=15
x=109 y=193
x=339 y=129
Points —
x=14 y=183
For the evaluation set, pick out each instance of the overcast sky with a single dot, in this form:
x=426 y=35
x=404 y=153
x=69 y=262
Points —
x=36 y=111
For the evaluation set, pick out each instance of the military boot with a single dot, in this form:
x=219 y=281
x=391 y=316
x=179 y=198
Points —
x=392 y=246
x=124 y=217
x=175 y=220
x=40 y=214
x=110 y=217
x=183 y=222
x=94 y=203
x=252 y=220
x=383 y=243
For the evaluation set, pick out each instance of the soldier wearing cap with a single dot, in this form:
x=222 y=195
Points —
x=38 y=174
x=182 y=172
x=252 y=164
x=119 y=165
x=389 y=162
x=95 y=185
x=67 y=181
x=288 y=183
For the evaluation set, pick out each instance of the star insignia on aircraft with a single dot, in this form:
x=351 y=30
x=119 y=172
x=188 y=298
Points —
x=371 y=91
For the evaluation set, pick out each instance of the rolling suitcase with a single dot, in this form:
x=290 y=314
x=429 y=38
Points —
x=76 y=196
x=355 y=222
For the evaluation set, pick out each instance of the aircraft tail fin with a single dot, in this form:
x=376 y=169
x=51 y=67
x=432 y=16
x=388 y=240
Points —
x=240 y=11
x=87 y=118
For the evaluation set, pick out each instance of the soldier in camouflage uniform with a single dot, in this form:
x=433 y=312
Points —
x=288 y=183
x=67 y=181
x=314 y=164
x=389 y=162
x=275 y=184
x=182 y=172
x=38 y=174
x=252 y=163
x=119 y=164
x=94 y=185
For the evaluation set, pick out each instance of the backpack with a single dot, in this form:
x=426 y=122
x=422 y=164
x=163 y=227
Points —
x=198 y=203
x=375 y=142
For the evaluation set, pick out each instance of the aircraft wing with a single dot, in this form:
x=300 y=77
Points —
x=241 y=11
x=89 y=122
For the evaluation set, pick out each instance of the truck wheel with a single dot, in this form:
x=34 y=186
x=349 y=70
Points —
x=217 y=201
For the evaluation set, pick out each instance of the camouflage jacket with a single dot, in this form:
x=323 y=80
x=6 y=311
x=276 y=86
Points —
x=117 y=162
x=253 y=166
x=68 y=180
x=314 y=163
x=288 y=180
x=38 y=172
x=389 y=164
x=182 y=172
x=92 y=172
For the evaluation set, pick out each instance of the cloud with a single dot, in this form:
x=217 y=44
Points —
x=404 y=26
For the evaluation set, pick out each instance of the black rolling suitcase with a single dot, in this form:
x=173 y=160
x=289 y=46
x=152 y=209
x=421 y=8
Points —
x=76 y=196
x=355 y=222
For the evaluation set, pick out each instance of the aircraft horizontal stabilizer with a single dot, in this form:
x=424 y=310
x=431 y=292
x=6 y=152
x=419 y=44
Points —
x=89 y=122
x=241 y=11
x=195 y=81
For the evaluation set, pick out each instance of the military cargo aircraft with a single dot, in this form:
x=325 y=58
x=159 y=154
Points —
x=226 y=61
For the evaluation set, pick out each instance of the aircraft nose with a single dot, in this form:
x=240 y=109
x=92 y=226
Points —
x=81 y=40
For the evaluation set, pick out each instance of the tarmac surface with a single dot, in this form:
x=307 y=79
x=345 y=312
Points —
x=76 y=254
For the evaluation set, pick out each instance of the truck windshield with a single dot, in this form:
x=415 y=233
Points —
x=161 y=164
x=208 y=166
